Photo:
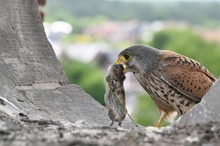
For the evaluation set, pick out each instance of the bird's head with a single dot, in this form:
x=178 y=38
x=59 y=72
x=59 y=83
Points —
x=138 y=59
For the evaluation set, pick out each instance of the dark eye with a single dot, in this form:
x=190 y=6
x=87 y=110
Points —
x=126 y=57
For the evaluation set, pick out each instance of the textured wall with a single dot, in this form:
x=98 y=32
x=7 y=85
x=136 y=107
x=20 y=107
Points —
x=26 y=55
x=31 y=77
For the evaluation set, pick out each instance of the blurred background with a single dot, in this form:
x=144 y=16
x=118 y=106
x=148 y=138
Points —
x=87 y=36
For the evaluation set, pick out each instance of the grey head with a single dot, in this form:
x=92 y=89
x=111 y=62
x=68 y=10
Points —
x=139 y=58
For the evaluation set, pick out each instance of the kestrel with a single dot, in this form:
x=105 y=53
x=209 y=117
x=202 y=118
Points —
x=175 y=82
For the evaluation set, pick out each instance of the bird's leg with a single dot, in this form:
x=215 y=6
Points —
x=162 y=116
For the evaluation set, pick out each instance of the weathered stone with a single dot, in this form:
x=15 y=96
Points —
x=208 y=110
x=26 y=55
x=32 y=78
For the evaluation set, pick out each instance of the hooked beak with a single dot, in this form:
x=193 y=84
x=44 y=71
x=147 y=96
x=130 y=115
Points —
x=118 y=61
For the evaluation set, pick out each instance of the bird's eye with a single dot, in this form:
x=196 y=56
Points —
x=126 y=57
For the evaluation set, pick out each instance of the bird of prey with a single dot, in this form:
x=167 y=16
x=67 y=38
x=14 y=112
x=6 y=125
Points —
x=175 y=82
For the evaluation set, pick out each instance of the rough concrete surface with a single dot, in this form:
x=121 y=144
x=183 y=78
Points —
x=39 y=107
x=208 y=110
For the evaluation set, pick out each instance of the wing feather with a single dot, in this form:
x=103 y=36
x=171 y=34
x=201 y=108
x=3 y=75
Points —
x=185 y=75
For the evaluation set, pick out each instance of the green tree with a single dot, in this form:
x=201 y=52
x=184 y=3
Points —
x=146 y=112
x=88 y=76
x=205 y=13
x=191 y=44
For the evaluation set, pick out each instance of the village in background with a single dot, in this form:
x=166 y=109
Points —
x=87 y=36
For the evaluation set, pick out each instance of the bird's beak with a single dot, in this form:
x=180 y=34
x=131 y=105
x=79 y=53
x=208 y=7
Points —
x=118 y=61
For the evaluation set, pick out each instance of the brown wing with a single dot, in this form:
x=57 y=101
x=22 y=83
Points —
x=185 y=75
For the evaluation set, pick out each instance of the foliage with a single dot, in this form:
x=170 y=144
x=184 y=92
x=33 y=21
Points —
x=198 y=12
x=191 y=44
x=88 y=76
x=146 y=112
x=78 y=23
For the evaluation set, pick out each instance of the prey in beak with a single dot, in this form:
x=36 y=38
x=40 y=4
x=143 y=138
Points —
x=119 y=61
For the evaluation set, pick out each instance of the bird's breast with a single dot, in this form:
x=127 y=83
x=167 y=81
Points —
x=162 y=94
